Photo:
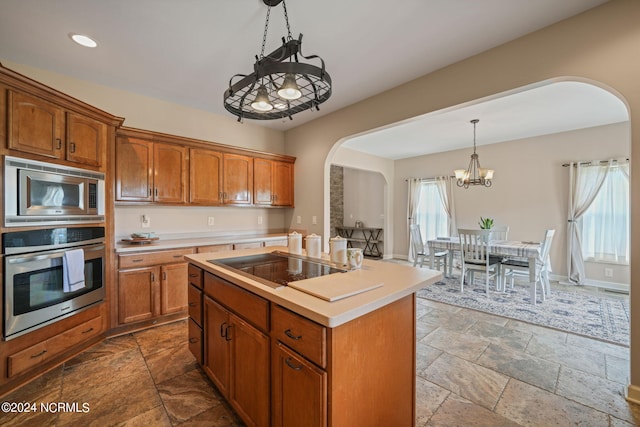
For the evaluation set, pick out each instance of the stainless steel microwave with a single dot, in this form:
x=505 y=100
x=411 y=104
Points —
x=39 y=193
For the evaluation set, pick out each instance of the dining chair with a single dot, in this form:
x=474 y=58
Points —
x=420 y=252
x=520 y=267
x=499 y=233
x=476 y=256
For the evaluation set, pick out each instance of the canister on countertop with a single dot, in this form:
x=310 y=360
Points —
x=295 y=243
x=338 y=250
x=313 y=243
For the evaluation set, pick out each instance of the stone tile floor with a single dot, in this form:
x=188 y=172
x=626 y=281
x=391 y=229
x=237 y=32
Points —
x=472 y=369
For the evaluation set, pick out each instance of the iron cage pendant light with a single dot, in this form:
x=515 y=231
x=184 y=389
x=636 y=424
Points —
x=280 y=85
x=474 y=174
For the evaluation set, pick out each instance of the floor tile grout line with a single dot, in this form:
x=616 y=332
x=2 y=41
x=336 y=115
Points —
x=155 y=384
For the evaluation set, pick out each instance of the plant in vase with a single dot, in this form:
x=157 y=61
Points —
x=485 y=223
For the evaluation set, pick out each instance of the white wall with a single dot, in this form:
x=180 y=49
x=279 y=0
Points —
x=348 y=158
x=178 y=222
x=530 y=188
x=363 y=198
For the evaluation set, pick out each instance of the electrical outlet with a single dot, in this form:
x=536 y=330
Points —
x=259 y=220
x=299 y=219
x=145 y=221
x=211 y=221
x=314 y=220
x=608 y=272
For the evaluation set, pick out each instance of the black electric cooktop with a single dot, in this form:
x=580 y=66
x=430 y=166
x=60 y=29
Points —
x=277 y=269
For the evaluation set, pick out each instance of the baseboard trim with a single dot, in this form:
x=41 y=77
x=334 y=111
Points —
x=633 y=394
x=615 y=287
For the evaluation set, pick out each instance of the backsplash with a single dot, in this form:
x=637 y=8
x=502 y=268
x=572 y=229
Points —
x=177 y=221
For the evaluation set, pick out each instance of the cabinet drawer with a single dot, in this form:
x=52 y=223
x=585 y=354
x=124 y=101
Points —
x=27 y=358
x=303 y=335
x=250 y=307
x=214 y=248
x=195 y=276
x=195 y=340
x=74 y=336
x=145 y=259
x=195 y=304
x=36 y=354
x=247 y=245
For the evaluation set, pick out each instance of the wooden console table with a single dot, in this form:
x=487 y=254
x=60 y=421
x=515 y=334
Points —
x=369 y=236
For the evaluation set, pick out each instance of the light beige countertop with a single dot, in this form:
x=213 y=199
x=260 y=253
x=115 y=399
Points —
x=397 y=282
x=188 y=242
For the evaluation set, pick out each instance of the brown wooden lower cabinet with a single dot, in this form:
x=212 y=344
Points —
x=288 y=371
x=152 y=284
x=236 y=358
x=299 y=390
x=38 y=353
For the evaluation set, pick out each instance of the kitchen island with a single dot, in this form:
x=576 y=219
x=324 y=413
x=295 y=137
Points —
x=284 y=357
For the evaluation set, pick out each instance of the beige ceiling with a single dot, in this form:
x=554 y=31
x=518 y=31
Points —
x=542 y=109
x=185 y=51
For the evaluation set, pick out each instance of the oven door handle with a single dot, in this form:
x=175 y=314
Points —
x=49 y=255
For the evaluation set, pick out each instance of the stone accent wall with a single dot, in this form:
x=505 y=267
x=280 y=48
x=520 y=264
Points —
x=336 y=196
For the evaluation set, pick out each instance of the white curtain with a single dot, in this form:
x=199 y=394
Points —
x=445 y=189
x=585 y=182
x=604 y=227
x=413 y=199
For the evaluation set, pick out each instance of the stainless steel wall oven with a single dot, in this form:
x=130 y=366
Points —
x=34 y=291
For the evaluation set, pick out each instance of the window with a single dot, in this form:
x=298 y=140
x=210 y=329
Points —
x=431 y=216
x=605 y=224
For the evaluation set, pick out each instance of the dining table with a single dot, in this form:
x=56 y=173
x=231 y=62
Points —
x=507 y=248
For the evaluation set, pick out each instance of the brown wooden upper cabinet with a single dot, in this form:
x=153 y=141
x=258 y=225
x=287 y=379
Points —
x=148 y=171
x=272 y=182
x=152 y=167
x=43 y=128
x=205 y=177
x=237 y=184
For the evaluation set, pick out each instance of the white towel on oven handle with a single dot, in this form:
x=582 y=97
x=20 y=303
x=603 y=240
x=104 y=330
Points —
x=73 y=270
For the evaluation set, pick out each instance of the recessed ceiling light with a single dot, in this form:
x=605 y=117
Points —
x=83 y=40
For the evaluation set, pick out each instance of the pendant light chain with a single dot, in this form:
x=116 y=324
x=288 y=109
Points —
x=264 y=36
x=272 y=90
x=286 y=19
x=475 y=121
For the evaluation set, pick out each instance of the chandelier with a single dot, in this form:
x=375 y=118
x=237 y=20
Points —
x=280 y=85
x=474 y=174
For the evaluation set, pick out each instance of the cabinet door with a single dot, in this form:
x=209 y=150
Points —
x=169 y=173
x=299 y=390
x=35 y=126
x=174 y=288
x=86 y=139
x=134 y=170
x=238 y=179
x=195 y=340
x=249 y=372
x=205 y=177
x=138 y=294
x=216 y=348
x=262 y=194
x=282 y=184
